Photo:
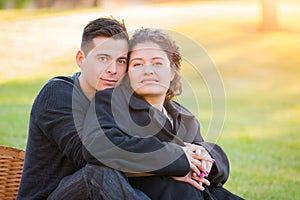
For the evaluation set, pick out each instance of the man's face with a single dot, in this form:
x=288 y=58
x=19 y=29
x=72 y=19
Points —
x=104 y=66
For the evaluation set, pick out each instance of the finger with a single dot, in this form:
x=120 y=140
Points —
x=204 y=169
x=208 y=167
x=205 y=182
x=196 y=184
x=187 y=144
x=202 y=156
x=195 y=169
x=194 y=147
x=198 y=149
x=196 y=177
x=198 y=164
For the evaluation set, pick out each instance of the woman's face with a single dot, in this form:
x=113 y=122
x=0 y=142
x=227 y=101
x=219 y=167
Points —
x=149 y=70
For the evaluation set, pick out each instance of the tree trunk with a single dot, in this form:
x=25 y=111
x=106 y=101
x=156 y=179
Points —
x=269 y=15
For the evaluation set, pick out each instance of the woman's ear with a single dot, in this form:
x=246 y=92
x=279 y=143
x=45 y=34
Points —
x=80 y=58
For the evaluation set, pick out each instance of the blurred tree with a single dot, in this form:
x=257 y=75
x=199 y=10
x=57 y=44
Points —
x=44 y=3
x=95 y=3
x=7 y=4
x=2 y=4
x=21 y=3
x=269 y=15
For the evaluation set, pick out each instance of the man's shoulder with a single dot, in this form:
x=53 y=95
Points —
x=57 y=87
x=64 y=79
x=59 y=83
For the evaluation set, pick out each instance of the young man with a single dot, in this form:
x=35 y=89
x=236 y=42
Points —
x=54 y=167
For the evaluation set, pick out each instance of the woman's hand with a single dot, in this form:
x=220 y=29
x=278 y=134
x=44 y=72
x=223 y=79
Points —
x=195 y=164
x=200 y=160
x=194 y=180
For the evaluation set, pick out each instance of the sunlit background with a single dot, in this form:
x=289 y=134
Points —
x=254 y=44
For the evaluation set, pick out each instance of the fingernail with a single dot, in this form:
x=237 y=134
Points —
x=198 y=152
x=201 y=175
x=213 y=160
x=207 y=172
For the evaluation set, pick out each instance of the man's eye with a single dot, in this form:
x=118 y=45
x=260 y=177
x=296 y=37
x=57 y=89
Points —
x=103 y=59
x=123 y=61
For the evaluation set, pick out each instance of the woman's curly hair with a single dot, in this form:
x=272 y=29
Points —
x=167 y=44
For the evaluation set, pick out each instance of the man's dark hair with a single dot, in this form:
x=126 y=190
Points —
x=105 y=27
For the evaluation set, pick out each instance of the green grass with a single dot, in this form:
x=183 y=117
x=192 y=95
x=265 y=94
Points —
x=15 y=101
x=261 y=81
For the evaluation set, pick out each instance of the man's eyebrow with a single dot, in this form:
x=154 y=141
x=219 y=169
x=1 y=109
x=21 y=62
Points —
x=123 y=57
x=102 y=54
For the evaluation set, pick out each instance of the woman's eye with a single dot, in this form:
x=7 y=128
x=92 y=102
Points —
x=137 y=64
x=157 y=64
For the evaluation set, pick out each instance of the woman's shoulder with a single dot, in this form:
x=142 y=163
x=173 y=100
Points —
x=175 y=107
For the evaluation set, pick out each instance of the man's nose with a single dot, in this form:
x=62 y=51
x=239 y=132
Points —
x=112 y=68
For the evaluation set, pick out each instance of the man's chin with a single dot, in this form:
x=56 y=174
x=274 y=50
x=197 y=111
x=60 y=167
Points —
x=106 y=87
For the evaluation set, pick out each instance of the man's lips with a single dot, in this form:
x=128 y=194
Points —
x=109 y=81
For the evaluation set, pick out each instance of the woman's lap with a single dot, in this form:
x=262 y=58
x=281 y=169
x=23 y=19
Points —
x=166 y=188
x=159 y=187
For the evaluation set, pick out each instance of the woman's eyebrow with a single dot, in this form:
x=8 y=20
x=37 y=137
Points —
x=137 y=58
x=158 y=58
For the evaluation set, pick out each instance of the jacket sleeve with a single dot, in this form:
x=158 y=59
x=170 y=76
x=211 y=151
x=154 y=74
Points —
x=54 y=115
x=220 y=170
x=107 y=143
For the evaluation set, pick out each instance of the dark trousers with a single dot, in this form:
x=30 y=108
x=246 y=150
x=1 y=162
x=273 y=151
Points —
x=166 y=188
x=96 y=183
x=219 y=193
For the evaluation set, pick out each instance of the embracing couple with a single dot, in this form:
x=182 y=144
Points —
x=112 y=130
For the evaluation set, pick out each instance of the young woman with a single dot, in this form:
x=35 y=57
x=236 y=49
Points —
x=141 y=127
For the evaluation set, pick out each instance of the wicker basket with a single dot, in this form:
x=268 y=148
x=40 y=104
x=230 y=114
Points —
x=11 y=165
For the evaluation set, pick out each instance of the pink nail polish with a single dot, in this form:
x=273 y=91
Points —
x=213 y=160
x=207 y=172
x=201 y=175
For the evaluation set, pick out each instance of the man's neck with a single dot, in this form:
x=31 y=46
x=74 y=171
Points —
x=87 y=90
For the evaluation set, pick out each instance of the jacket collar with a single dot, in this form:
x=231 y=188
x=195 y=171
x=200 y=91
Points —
x=138 y=103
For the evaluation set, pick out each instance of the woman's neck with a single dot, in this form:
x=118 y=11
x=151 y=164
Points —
x=156 y=101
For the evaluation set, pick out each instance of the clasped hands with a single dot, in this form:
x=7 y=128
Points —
x=200 y=163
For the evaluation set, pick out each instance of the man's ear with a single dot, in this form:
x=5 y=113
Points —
x=80 y=58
